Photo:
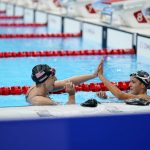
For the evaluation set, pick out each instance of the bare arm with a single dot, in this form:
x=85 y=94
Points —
x=75 y=80
x=112 y=88
x=115 y=90
x=40 y=100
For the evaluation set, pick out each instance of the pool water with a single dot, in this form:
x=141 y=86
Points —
x=31 y=44
x=20 y=30
x=17 y=71
x=11 y=20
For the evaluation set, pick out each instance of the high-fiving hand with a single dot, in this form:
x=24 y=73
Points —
x=100 y=67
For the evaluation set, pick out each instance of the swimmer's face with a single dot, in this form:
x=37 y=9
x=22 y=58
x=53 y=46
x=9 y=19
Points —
x=50 y=82
x=135 y=86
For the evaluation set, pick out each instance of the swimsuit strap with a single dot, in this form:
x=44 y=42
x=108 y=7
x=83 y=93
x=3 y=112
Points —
x=29 y=92
x=26 y=96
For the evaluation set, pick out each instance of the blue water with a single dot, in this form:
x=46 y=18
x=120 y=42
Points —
x=17 y=71
x=11 y=20
x=38 y=44
x=24 y=30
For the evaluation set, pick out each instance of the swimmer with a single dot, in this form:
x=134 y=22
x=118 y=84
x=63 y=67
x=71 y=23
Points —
x=139 y=83
x=46 y=81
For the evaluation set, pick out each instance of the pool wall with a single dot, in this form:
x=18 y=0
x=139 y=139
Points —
x=124 y=132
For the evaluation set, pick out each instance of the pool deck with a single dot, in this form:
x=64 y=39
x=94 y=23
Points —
x=60 y=111
x=142 y=30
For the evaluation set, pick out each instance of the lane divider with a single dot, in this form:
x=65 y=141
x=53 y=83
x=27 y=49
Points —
x=2 y=11
x=92 y=87
x=22 y=24
x=11 y=17
x=62 y=35
x=67 y=53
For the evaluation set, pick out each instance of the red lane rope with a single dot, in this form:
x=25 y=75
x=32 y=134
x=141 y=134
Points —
x=11 y=17
x=22 y=24
x=2 y=11
x=92 y=87
x=67 y=53
x=62 y=35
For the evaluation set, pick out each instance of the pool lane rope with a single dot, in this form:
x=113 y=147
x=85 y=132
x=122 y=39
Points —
x=22 y=24
x=52 y=35
x=92 y=87
x=2 y=11
x=67 y=53
x=11 y=17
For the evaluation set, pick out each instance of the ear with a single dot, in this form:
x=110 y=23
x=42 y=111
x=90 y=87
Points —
x=142 y=86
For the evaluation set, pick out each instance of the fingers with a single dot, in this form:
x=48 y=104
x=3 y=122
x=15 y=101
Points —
x=70 y=87
x=102 y=60
x=99 y=69
x=101 y=94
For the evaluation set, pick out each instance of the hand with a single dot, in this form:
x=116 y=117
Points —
x=102 y=94
x=70 y=88
x=100 y=67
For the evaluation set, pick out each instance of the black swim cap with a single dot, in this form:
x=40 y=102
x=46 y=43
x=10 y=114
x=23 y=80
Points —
x=142 y=76
x=90 y=103
x=40 y=73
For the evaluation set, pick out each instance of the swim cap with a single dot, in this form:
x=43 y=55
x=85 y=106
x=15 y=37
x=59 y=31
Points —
x=143 y=76
x=90 y=103
x=40 y=73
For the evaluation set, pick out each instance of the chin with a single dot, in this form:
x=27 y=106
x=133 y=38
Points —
x=132 y=92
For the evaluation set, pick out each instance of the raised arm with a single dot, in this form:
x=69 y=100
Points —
x=112 y=88
x=75 y=80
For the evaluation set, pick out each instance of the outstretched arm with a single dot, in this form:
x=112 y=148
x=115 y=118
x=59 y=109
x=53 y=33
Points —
x=112 y=88
x=75 y=80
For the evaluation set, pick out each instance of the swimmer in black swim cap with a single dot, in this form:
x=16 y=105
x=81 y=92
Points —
x=45 y=79
x=142 y=76
x=41 y=73
x=139 y=83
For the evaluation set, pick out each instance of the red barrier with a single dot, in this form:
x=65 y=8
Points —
x=62 y=35
x=66 y=53
x=22 y=24
x=11 y=17
x=94 y=87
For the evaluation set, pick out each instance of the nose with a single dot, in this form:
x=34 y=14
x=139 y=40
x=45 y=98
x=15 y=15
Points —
x=130 y=84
